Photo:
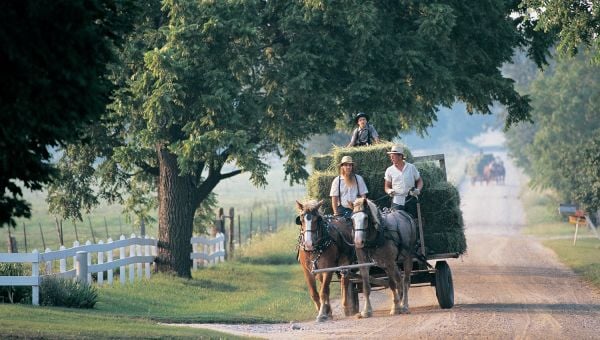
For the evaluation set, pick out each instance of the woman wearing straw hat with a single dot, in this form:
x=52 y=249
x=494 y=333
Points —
x=365 y=133
x=400 y=178
x=348 y=186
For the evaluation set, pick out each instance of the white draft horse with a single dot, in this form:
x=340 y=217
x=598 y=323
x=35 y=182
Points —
x=324 y=245
x=387 y=240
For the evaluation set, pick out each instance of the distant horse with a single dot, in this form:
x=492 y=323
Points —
x=498 y=172
x=488 y=173
x=384 y=239
x=324 y=245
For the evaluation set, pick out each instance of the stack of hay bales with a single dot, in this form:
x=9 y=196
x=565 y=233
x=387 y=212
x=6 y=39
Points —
x=443 y=226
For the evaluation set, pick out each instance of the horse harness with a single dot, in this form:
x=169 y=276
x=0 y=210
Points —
x=324 y=242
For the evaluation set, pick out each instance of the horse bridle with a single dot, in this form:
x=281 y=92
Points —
x=379 y=235
x=323 y=240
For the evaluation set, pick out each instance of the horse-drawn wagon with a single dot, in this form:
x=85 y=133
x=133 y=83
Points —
x=438 y=235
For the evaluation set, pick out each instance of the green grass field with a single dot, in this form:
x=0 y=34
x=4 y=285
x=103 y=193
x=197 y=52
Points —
x=249 y=290
x=544 y=222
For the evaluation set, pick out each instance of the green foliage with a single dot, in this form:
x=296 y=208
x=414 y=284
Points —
x=561 y=150
x=67 y=293
x=573 y=23
x=54 y=85
x=14 y=294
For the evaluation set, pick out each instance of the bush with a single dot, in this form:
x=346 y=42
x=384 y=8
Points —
x=67 y=293
x=14 y=294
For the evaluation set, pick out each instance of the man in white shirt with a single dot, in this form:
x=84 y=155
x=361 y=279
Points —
x=400 y=178
x=346 y=187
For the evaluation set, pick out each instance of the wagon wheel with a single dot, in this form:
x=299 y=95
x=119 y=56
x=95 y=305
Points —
x=444 y=288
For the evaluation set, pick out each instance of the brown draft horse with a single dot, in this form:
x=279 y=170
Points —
x=386 y=240
x=324 y=245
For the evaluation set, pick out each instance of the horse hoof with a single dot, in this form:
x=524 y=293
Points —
x=365 y=315
x=322 y=318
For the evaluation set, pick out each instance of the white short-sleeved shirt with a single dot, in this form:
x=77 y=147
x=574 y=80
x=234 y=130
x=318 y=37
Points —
x=347 y=193
x=402 y=180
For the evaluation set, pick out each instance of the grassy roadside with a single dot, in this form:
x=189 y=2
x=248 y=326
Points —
x=247 y=290
x=557 y=234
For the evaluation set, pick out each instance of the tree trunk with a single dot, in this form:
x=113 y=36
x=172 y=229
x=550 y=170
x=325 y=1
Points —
x=177 y=203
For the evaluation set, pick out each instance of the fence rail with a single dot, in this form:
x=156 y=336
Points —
x=135 y=256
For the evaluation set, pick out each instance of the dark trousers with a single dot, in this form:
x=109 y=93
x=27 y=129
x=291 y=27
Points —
x=410 y=206
x=343 y=211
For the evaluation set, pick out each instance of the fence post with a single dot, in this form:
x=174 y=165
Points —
x=81 y=266
x=89 y=262
x=122 y=256
x=138 y=252
x=75 y=244
x=100 y=261
x=221 y=246
x=48 y=264
x=35 y=272
x=63 y=262
x=132 y=266
x=147 y=253
x=110 y=259
x=231 y=232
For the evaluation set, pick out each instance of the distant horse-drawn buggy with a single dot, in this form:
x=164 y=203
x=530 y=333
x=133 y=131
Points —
x=382 y=248
x=485 y=168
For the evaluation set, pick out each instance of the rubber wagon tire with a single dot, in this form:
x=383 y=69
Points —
x=444 y=288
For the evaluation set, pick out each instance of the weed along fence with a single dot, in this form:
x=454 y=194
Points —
x=129 y=258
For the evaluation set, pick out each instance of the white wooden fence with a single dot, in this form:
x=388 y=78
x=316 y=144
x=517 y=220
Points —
x=207 y=251
x=133 y=254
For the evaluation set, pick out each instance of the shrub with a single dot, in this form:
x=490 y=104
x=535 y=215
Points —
x=14 y=294
x=67 y=293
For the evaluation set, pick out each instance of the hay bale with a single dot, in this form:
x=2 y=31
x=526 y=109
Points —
x=443 y=225
x=320 y=162
x=447 y=242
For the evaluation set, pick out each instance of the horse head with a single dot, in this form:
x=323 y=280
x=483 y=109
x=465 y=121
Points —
x=311 y=222
x=365 y=221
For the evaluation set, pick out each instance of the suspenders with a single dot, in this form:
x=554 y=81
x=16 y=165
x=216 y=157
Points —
x=340 y=187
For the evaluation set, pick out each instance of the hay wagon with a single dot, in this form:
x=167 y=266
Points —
x=445 y=243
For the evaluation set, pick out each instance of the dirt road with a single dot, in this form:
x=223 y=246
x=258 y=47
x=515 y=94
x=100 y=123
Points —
x=507 y=286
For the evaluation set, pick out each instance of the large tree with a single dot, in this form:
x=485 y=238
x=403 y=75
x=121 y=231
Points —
x=574 y=24
x=560 y=151
x=53 y=83
x=208 y=83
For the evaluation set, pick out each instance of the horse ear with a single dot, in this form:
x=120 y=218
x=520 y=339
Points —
x=299 y=206
x=351 y=204
x=298 y=222
x=320 y=204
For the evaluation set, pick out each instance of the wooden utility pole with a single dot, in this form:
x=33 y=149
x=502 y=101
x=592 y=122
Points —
x=59 y=231
x=12 y=242
x=42 y=233
x=106 y=228
x=231 y=231
x=25 y=238
x=92 y=230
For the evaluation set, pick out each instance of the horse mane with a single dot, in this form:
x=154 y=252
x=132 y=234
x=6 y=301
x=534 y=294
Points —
x=312 y=205
x=374 y=211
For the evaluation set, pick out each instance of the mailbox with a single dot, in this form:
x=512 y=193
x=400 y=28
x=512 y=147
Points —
x=565 y=209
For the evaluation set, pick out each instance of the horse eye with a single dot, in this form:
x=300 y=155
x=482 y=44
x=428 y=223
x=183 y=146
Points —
x=298 y=221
